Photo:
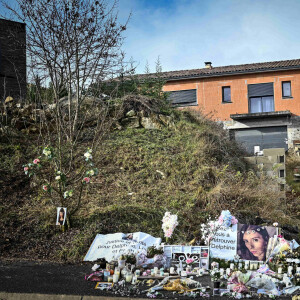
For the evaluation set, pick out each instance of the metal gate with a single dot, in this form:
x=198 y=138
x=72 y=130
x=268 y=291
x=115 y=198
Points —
x=265 y=137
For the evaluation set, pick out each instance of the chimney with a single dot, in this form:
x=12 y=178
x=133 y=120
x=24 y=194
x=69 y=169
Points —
x=208 y=65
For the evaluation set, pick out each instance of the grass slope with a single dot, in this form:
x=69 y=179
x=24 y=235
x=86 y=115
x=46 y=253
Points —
x=193 y=170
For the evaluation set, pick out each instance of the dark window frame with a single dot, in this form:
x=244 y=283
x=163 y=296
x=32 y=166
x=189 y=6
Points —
x=223 y=94
x=267 y=94
x=282 y=90
x=184 y=104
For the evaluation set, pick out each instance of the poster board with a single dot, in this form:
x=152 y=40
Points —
x=112 y=246
x=224 y=243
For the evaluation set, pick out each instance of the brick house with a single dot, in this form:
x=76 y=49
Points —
x=12 y=60
x=258 y=103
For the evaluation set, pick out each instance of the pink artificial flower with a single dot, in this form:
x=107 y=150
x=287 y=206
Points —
x=189 y=261
x=221 y=219
x=234 y=220
x=279 y=236
x=45 y=188
x=86 y=179
x=26 y=169
x=36 y=161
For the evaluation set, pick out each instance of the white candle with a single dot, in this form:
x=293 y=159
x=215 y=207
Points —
x=116 y=278
x=172 y=270
x=232 y=266
x=128 y=277
x=280 y=270
x=247 y=265
x=228 y=271
x=240 y=266
x=183 y=273
x=222 y=271
x=290 y=270
x=155 y=270
x=134 y=279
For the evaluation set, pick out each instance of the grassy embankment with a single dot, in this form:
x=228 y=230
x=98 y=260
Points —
x=193 y=170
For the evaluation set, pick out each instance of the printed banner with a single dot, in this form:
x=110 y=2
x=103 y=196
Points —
x=111 y=246
x=224 y=243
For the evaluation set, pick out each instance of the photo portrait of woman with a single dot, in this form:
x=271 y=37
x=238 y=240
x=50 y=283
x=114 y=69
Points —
x=61 y=216
x=253 y=241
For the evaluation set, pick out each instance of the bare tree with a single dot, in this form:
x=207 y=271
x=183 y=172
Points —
x=71 y=44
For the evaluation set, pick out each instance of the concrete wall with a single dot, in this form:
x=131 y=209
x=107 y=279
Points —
x=12 y=60
x=209 y=92
x=270 y=164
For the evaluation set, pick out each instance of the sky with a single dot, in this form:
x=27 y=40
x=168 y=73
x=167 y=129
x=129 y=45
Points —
x=186 y=33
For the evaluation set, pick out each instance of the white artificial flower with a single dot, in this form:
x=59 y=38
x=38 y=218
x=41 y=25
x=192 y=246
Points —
x=57 y=177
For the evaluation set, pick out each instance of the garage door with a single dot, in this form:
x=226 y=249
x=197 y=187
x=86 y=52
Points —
x=265 y=137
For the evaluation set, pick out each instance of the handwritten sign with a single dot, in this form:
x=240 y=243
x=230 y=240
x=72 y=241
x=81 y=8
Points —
x=112 y=246
x=224 y=243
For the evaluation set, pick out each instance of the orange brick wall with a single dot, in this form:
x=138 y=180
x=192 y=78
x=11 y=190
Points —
x=209 y=92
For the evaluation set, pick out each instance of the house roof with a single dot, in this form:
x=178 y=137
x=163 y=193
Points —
x=293 y=64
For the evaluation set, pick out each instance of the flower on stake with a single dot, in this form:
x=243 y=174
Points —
x=169 y=222
x=68 y=194
x=88 y=154
x=86 y=180
x=48 y=152
x=36 y=161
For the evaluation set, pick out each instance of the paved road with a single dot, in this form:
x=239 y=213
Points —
x=50 y=281
x=45 y=278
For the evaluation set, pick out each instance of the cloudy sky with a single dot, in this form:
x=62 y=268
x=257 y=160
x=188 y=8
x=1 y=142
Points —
x=186 y=33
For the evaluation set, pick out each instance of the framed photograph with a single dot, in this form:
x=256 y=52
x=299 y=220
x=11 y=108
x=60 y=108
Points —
x=204 y=263
x=61 y=216
x=104 y=285
x=253 y=241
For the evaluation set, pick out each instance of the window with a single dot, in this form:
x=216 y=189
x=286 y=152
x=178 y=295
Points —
x=281 y=173
x=183 y=98
x=261 y=97
x=281 y=159
x=261 y=104
x=286 y=89
x=226 y=94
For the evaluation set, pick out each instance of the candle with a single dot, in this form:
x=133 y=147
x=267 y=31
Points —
x=110 y=278
x=290 y=270
x=137 y=272
x=117 y=271
x=228 y=271
x=222 y=271
x=172 y=270
x=298 y=270
x=152 y=272
x=116 y=278
x=240 y=265
x=279 y=271
x=166 y=274
x=128 y=277
x=105 y=275
x=155 y=270
x=183 y=273
x=232 y=266
x=134 y=279
x=162 y=273
x=247 y=265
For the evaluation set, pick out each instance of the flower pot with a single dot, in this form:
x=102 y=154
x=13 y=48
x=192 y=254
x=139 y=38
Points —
x=216 y=284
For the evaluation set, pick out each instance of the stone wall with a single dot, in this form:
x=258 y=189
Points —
x=12 y=60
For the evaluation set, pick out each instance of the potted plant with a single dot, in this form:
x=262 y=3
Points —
x=215 y=277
